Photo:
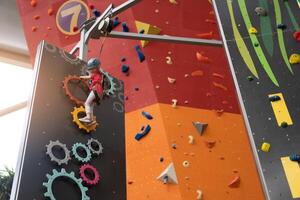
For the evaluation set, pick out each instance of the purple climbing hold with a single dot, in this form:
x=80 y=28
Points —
x=144 y=132
x=147 y=115
x=140 y=53
x=125 y=27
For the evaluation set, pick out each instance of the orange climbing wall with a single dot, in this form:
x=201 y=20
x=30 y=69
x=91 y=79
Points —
x=201 y=88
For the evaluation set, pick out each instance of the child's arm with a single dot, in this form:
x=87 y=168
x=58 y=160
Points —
x=85 y=77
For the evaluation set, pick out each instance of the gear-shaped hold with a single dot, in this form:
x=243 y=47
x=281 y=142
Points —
x=76 y=79
x=63 y=173
x=88 y=154
x=81 y=125
x=88 y=167
x=97 y=150
x=112 y=85
x=53 y=158
x=69 y=58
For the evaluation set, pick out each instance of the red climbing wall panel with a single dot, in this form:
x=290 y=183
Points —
x=201 y=88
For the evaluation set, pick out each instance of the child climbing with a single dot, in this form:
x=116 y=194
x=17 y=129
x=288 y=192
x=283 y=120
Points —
x=96 y=89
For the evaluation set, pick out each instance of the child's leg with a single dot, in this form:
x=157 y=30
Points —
x=89 y=106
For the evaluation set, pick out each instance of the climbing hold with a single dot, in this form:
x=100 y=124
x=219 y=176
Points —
x=116 y=22
x=252 y=30
x=274 y=98
x=261 y=11
x=174 y=2
x=197 y=73
x=75 y=28
x=34 y=29
x=295 y=157
x=219 y=112
x=174 y=146
x=250 y=78
x=202 y=58
x=235 y=182
x=218 y=75
x=147 y=115
x=210 y=143
x=125 y=27
x=281 y=26
x=294 y=58
x=161 y=159
x=144 y=132
x=156 y=11
x=200 y=127
x=256 y=44
x=169 y=60
x=123 y=59
x=148 y=29
x=186 y=163
x=199 y=195
x=96 y=13
x=168 y=175
x=211 y=21
x=140 y=53
x=89 y=168
x=50 y=11
x=296 y=35
x=36 y=17
x=265 y=147
x=33 y=3
x=91 y=6
x=208 y=35
x=284 y=125
x=171 y=80
x=191 y=139
x=125 y=69
x=174 y=103
x=218 y=85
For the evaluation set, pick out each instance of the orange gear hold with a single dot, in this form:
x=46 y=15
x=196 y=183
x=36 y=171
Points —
x=66 y=81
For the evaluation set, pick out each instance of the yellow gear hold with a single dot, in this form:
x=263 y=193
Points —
x=294 y=58
x=252 y=30
x=148 y=29
x=81 y=125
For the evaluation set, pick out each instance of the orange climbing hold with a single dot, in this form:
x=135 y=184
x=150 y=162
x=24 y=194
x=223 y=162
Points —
x=197 y=73
x=218 y=75
x=219 y=85
x=50 y=11
x=211 y=21
x=34 y=29
x=36 y=17
x=202 y=58
x=33 y=3
x=208 y=35
x=235 y=182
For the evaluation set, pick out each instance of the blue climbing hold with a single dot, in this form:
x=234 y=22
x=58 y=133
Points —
x=125 y=27
x=140 y=53
x=295 y=157
x=281 y=26
x=96 y=13
x=116 y=22
x=174 y=146
x=147 y=115
x=144 y=132
x=125 y=69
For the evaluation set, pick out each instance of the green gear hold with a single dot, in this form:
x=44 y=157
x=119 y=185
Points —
x=51 y=178
x=85 y=159
x=112 y=86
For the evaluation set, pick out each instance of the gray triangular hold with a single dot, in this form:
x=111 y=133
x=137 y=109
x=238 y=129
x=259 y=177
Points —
x=200 y=127
x=168 y=175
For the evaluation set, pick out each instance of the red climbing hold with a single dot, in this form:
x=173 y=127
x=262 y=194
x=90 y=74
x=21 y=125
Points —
x=205 y=35
x=75 y=28
x=91 y=6
x=210 y=143
x=33 y=3
x=297 y=35
x=235 y=182
x=36 y=17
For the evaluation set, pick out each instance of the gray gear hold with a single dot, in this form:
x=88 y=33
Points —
x=53 y=158
x=97 y=151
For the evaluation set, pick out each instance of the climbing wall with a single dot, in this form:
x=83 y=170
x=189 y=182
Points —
x=179 y=86
x=262 y=42
x=56 y=145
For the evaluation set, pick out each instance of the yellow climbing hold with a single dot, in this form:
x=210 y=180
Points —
x=147 y=29
x=265 y=147
x=294 y=58
x=252 y=30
